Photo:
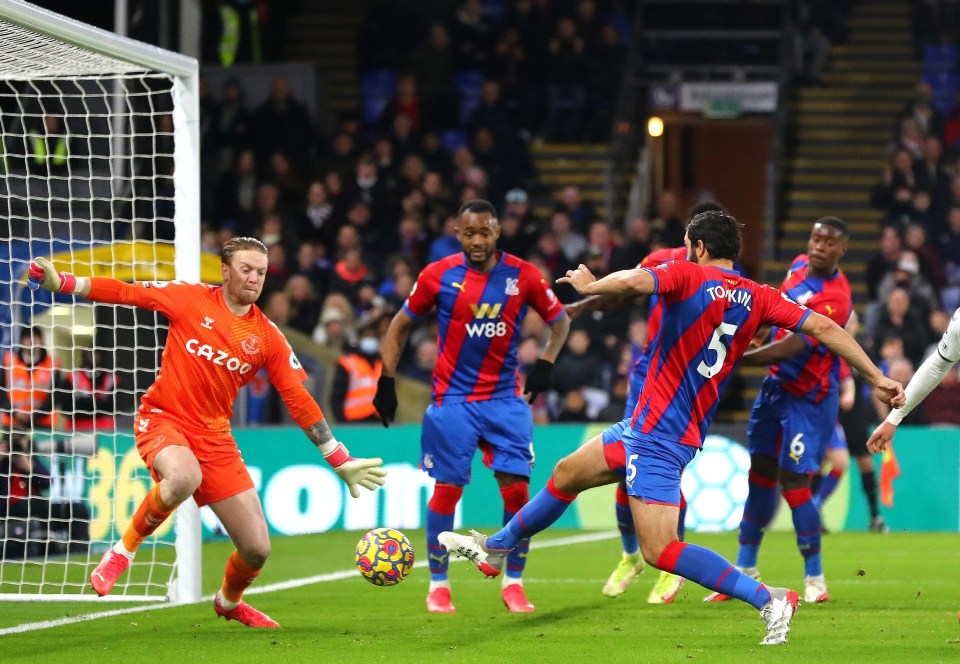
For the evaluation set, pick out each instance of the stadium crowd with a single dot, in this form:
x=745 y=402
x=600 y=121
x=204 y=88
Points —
x=352 y=218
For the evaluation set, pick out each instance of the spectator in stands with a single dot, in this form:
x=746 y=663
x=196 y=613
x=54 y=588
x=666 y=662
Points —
x=571 y=242
x=318 y=223
x=266 y=203
x=495 y=162
x=811 y=48
x=949 y=246
x=277 y=308
x=907 y=276
x=513 y=239
x=637 y=245
x=237 y=193
x=580 y=211
x=437 y=158
x=282 y=123
x=929 y=173
x=341 y=156
x=89 y=394
x=573 y=407
x=335 y=329
x=512 y=69
x=371 y=230
x=577 y=366
x=600 y=238
x=942 y=405
x=668 y=225
x=348 y=274
x=22 y=475
x=405 y=101
x=931 y=262
x=231 y=125
x=313 y=264
x=898 y=319
x=928 y=119
x=356 y=376
x=304 y=303
x=424 y=361
x=277 y=271
x=883 y=261
x=606 y=57
x=894 y=192
x=446 y=244
x=432 y=65
x=472 y=36
x=28 y=378
x=566 y=89
x=47 y=146
x=910 y=138
x=369 y=188
x=288 y=181
x=412 y=239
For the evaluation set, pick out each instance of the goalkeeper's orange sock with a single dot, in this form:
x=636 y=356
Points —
x=151 y=513
x=237 y=577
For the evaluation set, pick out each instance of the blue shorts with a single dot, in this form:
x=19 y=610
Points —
x=451 y=434
x=838 y=441
x=793 y=430
x=654 y=467
x=613 y=450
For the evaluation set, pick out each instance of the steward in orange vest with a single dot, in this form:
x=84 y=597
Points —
x=28 y=379
x=355 y=382
x=90 y=395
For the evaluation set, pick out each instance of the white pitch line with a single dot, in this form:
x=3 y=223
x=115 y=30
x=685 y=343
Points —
x=274 y=587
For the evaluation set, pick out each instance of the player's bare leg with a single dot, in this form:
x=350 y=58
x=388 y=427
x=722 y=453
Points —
x=656 y=527
x=180 y=476
x=242 y=518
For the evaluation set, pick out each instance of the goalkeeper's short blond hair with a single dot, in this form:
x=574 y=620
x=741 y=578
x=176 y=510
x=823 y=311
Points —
x=235 y=244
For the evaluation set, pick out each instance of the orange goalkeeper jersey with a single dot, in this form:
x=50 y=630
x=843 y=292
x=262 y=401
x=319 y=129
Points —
x=210 y=353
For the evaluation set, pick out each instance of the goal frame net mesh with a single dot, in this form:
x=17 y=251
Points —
x=99 y=168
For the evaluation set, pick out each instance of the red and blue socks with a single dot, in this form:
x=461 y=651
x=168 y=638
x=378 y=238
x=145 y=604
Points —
x=515 y=497
x=761 y=505
x=440 y=513
x=540 y=513
x=828 y=484
x=628 y=534
x=712 y=571
x=807 y=523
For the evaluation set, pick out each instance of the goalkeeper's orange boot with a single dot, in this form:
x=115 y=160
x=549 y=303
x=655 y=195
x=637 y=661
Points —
x=244 y=613
x=516 y=600
x=106 y=573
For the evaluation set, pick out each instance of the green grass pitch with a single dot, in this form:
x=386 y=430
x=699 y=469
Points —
x=902 y=609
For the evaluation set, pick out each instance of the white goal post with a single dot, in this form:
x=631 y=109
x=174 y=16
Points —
x=99 y=169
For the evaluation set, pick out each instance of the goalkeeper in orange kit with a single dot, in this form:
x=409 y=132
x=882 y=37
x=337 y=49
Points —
x=217 y=342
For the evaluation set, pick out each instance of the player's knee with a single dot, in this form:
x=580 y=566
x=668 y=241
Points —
x=256 y=553
x=652 y=548
x=793 y=481
x=182 y=484
x=565 y=476
x=764 y=466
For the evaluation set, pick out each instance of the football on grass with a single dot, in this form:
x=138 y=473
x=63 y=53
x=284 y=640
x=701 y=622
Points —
x=384 y=556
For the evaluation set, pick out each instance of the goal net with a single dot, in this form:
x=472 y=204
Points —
x=98 y=172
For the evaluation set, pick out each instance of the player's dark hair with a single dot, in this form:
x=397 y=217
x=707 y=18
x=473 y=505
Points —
x=719 y=232
x=30 y=331
x=836 y=223
x=477 y=206
x=706 y=206
x=235 y=244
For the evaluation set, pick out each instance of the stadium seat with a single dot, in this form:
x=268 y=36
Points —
x=452 y=139
x=940 y=58
x=622 y=23
x=376 y=90
x=944 y=86
x=469 y=84
x=495 y=10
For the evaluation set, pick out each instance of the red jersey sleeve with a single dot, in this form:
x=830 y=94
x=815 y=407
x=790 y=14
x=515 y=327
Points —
x=676 y=278
x=778 y=309
x=829 y=304
x=167 y=297
x=845 y=372
x=540 y=296
x=423 y=297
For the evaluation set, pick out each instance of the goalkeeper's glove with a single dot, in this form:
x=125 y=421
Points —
x=355 y=473
x=539 y=379
x=43 y=275
x=385 y=400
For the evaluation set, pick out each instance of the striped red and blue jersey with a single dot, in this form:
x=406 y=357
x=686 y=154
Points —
x=814 y=373
x=640 y=357
x=479 y=316
x=709 y=317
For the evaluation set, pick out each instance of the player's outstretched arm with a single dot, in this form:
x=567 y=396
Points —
x=43 y=274
x=840 y=343
x=778 y=351
x=624 y=282
x=356 y=473
x=385 y=400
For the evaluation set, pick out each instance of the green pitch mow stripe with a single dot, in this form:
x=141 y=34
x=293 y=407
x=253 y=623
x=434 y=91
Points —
x=275 y=587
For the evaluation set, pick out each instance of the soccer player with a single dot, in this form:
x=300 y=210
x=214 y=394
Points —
x=217 y=342
x=711 y=314
x=631 y=563
x=795 y=413
x=928 y=375
x=481 y=296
